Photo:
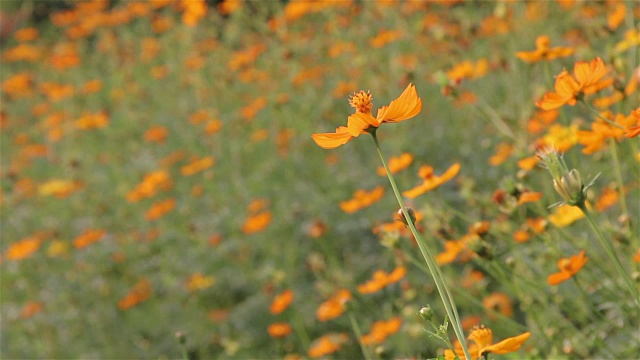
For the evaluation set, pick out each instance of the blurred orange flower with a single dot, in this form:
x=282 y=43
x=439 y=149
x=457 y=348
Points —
x=279 y=330
x=586 y=79
x=151 y=183
x=88 y=237
x=197 y=165
x=543 y=51
x=499 y=302
x=334 y=306
x=139 y=293
x=159 y=209
x=396 y=164
x=257 y=222
x=281 y=302
x=381 y=279
x=503 y=152
x=380 y=330
x=431 y=181
x=361 y=199
x=22 y=249
x=594 y=139
x=406 y=106
x=198 y=281
x=327 y=344
x=31 y=308
x=156 y=134
x=568 y=267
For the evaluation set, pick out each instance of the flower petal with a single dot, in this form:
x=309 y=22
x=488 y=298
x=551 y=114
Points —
x=508 y=345
x=557 y=278
x=406 y=106
x=359 y=122
x=332 y=140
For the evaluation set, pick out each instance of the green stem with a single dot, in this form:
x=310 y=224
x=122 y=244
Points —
x=597 y=114
x=616 y=165
x=443 y=290
x=358 y=333
x=609 y=250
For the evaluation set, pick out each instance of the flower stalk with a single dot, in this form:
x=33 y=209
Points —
x=438 y=278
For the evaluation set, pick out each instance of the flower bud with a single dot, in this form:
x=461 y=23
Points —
x=426 y=313
x=412 y=216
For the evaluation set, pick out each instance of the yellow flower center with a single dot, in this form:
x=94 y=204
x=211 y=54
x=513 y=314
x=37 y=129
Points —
x=482 y=336
x=361 y=101
x=564 y=265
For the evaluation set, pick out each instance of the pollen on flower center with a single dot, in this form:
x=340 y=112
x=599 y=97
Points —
x=482 y=336
x=361 y=101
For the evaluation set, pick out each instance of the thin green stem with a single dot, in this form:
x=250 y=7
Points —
x=610 y=252
x=358 y=333
x=443 y=290
x=618 y=173
x=597 y=114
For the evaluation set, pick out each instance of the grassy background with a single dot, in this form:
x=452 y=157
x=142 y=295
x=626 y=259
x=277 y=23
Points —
x=296 y=78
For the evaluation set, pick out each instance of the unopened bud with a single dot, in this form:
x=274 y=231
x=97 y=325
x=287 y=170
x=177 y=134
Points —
x=412 y=216
x=426 y=313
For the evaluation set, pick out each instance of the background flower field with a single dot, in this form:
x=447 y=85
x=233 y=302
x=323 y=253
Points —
x=159 y=178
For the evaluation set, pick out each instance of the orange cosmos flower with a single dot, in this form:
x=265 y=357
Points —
x=634 y=130
x=431 y=181
x=483 y=337
x=257 y=222
x=279 y=330
x=198 y=281
x=381 y=279
x=159 y=209
x=361 y=199
x=586 y=79
x=607 y=199
x=197 y=165
x=406 y=106
x=281 y=302
x=23 y=249
x=31 y=308
x=499 y=302
x=139 y=293
x=543 y=51
x=396 y=164
x=568 y=267
x=327 y=344
x=334 y=306
x=88 y=237
x=380 y=330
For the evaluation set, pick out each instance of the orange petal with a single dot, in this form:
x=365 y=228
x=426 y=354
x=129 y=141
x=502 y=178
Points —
x=508 y=345
x=553 y=101
x=557 y=278
x=406 y=106
x=359 y=122
x=332 y=140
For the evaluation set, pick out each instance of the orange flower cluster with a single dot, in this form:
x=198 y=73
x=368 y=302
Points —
x=381 y=330
x=568 y=268
x=281 y=302
x=88 y=237
x=59 y=188
x=586 y=79
x=139 y=293
x=334 y=306
x=381 y=279
x=594 y=139
x=431 y=181
x=362 y=199
x=23 y=249
x=159 y=209
x=31 y=308
x=468 y=70
x=90 y=121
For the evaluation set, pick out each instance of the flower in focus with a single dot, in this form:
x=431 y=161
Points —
x=431 y=181
x=483 y=339
x=543 y=51
x=406 y=106
x=568 y=267
x=586 y=79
